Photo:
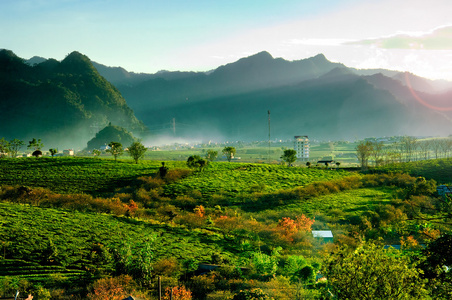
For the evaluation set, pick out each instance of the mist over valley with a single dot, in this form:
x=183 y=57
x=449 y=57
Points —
x=66 y=103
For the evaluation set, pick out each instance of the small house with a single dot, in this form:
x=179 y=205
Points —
x=324 y=236
x=68 y=152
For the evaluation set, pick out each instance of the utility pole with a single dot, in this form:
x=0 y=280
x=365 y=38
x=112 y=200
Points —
x=173 y=126
x=268 y=154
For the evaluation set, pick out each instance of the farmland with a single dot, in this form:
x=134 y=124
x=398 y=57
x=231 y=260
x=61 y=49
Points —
x=70 y=222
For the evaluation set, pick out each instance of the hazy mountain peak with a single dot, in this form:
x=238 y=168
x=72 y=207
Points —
x=76 y=62
x=35 y=60
x=339 y=72
x=261 y=55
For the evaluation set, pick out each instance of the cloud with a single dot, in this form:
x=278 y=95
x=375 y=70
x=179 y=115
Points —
x=316 y=42
x=438 y=39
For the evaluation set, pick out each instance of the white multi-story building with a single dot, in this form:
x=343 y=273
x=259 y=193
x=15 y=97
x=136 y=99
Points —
x=301 y=145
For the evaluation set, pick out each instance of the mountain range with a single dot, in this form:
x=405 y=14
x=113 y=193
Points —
x=313 y=96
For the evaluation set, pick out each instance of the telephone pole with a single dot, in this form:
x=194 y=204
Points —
x=173 y=125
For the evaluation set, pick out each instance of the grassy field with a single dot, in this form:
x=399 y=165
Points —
x=70 y=243
x=76 y=175
x=102 y=176
x=233 y=179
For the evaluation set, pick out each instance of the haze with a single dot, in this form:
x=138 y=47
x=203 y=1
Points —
x=147 y=36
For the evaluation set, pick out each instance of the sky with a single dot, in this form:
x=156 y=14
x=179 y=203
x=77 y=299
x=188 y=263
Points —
x=200 y=35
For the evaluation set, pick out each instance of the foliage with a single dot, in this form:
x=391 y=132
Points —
x=96 y=152
x=436 y=266
x=114 y=288
x=4 y=147
x=439 y=170
x=35 y=144
x=178 y=293
x=115 y=149
x=289 y=156
x=253 y=294
x=53 y=151
x=371 y=272
x=211 y=155
x=14 y=147
x=229 y=152
x=363 y=152
x=136 y=151
x=196 y=162
x=111 y=133
x=264 y=264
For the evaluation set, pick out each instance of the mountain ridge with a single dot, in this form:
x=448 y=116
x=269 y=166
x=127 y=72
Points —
x=312 y=96
x=59 y=100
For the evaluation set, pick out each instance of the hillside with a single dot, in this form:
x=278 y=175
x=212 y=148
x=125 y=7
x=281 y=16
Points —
x=252 y=222
x=60 y=102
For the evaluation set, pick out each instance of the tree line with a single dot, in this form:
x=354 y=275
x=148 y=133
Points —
x=401 y=149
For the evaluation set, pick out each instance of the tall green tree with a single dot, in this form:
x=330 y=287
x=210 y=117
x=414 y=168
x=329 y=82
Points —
x=211 y=155
x=115 y=149
x=363 y=152
x=35 y=144
x=4 y=147
x=14 y=147
x=289 y=156
x=229 y=152
x=372 y=272
x=137 y=150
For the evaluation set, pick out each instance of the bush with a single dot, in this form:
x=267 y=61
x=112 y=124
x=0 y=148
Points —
x=116 y=288
x=253 y=294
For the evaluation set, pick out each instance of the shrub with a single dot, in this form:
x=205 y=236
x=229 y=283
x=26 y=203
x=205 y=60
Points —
x=253 y=294
x=167 y=267
x=149 y=183
x=176 y=174
x=178 y=293
x=115 y=288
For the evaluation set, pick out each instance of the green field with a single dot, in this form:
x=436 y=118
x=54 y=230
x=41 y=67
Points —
x=66 y=235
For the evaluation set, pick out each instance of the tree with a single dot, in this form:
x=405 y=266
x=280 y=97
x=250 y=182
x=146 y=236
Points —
x=436 y=266
x=35 y=144
x=308 y=164
x=229 y=152
x=363 y=151
x=96 y=152
x=289 y=156
x=115 y=149
x=372 y=272
x=376 y=152
x=196 y=162
x=14 y=147
x=53 y=151
x=211 y=155
x=137 y=150
x=408 y=145
x=4 y=147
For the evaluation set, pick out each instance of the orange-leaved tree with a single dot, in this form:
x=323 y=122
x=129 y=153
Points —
x=179 y=293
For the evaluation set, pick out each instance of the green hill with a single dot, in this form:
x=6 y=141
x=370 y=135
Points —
x=60 y=102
